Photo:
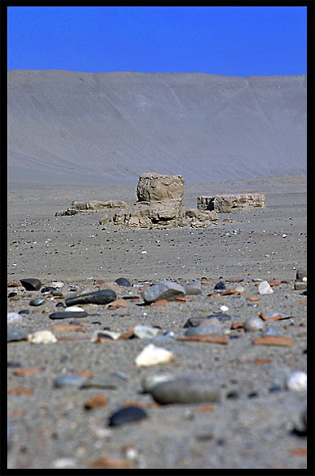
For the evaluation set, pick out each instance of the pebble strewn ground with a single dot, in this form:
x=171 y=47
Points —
x=228 y=386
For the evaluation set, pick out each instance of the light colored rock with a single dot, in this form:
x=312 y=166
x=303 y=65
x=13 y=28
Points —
x=153 y=355
x=229 y=202
x=158 y=187
x=145 y=332
x=201 y=218
x=13 y=317
x=97 y=204
x=150 y=215
x=297 y=381
x=162 y=290
x=265 y=288
x=253 y=324
x=42 y=337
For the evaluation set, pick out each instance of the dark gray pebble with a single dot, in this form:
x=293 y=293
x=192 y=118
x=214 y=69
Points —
x=103 y=296
x=31 y=284
x=24 y=311
x=12 y=294
x=69 y=380
x=221 y=317
x=15 y=335
x=37 y=301
x=13 y=364
x=204 y=330
x=275 y=389
x=103 y=382
x=233 y=395
x=185 y=390
x=123 y=282
x=220 y=286
x=67 y=314
x=127 y=415
x=48 y=289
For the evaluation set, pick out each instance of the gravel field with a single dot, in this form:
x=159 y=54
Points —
x=257 y=422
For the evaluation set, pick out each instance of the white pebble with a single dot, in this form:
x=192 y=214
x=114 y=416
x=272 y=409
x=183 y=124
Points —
x=297 y=381
x=153 y=355
x=57 y=284
x=13 y=317
x=42 y=337
x=224 y=308
x=264 y=288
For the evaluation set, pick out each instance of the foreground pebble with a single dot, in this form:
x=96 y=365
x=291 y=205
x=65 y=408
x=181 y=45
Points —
x=103 y=296
x=42 y=337
x=125 y=415
x=297 y=381
x=153 y=355
x=185 y=390
x=163 y=290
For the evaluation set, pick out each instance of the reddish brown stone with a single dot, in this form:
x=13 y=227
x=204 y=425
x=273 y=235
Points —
x=235 y=280
x=274 y=340
x=117 y=304
x=253 y=298
x=20 y=391
x=97 y=401
x=210 y=338
x=107 y=462
x=180 y=299
x=274 y=282
x=298 y=451
x=227 y=292
x=206 y=281
x=25 y=371
x=273 y=318
x=237 y=325
x=262 y=361
x=160 y=302
x=206 y=409
x=64 y=327
x=13 y=284
x=127 y=335
x=85 y=373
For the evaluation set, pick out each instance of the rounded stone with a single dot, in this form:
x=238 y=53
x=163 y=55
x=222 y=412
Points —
x=204 y=330
x=221 y=317
x=152 y=380
x=15 y=335
x=127 y=415
x=123 y=282
x=253 y=324
x=37 y=301
x=296 y=381
x=220 y=286
x=31 y=284
x=103 y=296
x=185 y=390
x=69 y=380
x=67 y=314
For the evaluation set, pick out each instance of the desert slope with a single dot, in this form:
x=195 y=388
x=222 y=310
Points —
x=83 y=127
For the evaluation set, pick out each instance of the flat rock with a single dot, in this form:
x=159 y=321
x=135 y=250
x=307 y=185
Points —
x=15 y=335
x=67 y=314
x=103 y=296
x=163 y=290
x=128 y=414
x=185 y=390
x=229 y=202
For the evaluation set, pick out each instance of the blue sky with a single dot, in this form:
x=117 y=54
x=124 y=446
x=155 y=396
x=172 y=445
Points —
x=236 y=41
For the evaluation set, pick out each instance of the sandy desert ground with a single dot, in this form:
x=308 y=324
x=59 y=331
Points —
x=257 y=421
